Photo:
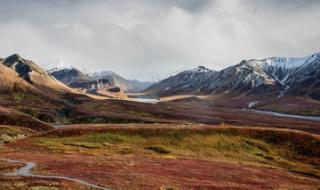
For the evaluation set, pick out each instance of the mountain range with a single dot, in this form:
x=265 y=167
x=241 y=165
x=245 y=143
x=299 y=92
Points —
x=276 y=77
x=279 y=84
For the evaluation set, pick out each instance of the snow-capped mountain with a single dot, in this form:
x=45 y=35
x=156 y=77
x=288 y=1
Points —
x=290 y=72
x=242 y=78
x=190 y=81
x=305 y=80
x=283 y=68
x=277 y=76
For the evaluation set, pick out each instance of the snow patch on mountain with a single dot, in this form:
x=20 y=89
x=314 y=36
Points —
x=288 y=62
x=280 y=70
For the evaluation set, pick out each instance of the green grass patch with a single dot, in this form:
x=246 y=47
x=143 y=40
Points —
x=42 y=187
x=140 y=113
x=104 y=138
x=84 y=144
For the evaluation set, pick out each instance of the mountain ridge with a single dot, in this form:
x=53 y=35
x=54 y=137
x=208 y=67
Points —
x=128 y=85
x=184 y=82
x=73 y=76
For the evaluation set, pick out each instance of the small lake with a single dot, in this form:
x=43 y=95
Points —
x=145 y=100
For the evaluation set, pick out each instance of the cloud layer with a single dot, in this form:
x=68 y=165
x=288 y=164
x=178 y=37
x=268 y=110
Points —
x=151 y=39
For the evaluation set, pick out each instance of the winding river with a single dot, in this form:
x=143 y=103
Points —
x=25 y=171
x=310 y=118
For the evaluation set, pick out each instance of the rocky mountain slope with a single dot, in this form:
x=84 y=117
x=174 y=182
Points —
x=186 y=82
x=76 y=79
x=69 y=76
x=125 y=84
x=9 y=80
x=25 y=74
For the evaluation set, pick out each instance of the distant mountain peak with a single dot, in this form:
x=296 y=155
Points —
x=66 y=69
x=55 y=69
x=69 y=75
x=17 y=63
x=12 y=59
x=287 y=62
x=188 y=81
x=201 y=69
x=15 y=55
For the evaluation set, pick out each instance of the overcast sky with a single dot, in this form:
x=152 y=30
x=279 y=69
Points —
x=151 y=39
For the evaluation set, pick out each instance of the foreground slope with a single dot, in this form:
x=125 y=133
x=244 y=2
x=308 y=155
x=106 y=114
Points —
x=168 y=156
x=16 y=118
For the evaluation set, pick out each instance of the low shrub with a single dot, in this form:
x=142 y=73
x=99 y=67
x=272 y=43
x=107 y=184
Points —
x=159 y=149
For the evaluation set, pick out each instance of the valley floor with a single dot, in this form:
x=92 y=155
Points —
x=163 y=156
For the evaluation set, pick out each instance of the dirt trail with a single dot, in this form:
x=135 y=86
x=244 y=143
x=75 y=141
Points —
x=25 y=171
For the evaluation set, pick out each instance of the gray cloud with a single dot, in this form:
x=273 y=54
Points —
x=151 y=39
